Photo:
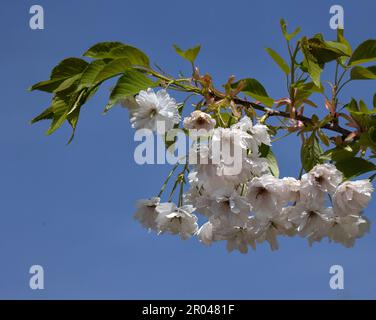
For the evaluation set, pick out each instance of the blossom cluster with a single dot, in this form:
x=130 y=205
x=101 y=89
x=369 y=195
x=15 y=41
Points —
x=248 y=206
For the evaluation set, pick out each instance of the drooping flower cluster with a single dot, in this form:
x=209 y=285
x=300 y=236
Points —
x=244 y=204
x=166 y=217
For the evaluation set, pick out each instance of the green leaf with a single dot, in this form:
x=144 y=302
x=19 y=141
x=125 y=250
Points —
x=189 y=54
x=314 y=69
x=113 y=68
x=74 y=112
x=129 y=84
x=363 y=107
x=47 y=85
x=317 y=52
x=67 y=68
x=227 y=119
x=365 y=52
x=135 y=56
x=354 y=167
x=361 y=73
x=266 y=152
x=360 y=109
x=305 y=89
x=323 y=137
x=60 y=111
x=255 y=89
x=288 y=36
x=341 y=153
x=311 y=63
x=91 y=72
x=310 y=153
x=341 y=38
x=102 y=50
x=323 y=51
x=368 y=138
x=65 y=107
x=339 y=49
x=115 y=50
x=45 y=115
x=352 y=105
x=68 y=83
x=279 y=60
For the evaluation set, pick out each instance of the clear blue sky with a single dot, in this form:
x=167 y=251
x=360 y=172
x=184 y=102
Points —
x=70 y=208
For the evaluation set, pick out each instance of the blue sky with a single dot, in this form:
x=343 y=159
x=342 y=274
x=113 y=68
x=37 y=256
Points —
x=69 y=208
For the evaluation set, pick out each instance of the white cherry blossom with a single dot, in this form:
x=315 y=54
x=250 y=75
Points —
x=154 y=107
x=345 y=230
x=351 y=197
x=199 y=120
x=146 y=213
x=176 y=220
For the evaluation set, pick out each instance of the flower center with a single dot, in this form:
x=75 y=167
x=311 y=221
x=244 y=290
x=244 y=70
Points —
x=261 y=191
x=201 y=121
x=153 y=112
x=319 y=180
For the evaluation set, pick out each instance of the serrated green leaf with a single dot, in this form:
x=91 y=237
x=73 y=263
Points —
x=65 y=107
x=68 y=83
x=189 y=54
x=341 y=49
x=341 y=153
x=129 y=84
x=91 y=72
x=310 y=62
x=321 y=52
x=279 y=60
x=226 y=118
x=74 y=112
x=47 y=85
x=354 y=167
x=255 y=89
x=66 y=69
x=288 y=36
x=341 y=38
x=305 y=89
x=135 y=56
x=310 y=153
x=266 y=152
x=116 y=50
x=367 y=139
x=102 y=50
x=352 y=105
x=360 y=109
x=323 y=137
x=60 y=111
x=363 y=107
x=365 y=52
x=113 y=68
x=361 y=73
x=314 y=70
x=47 y=114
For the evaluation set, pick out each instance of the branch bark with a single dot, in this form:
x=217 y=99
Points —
x=217 y=95
x=272 y=112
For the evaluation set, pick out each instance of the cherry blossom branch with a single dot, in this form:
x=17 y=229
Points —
x=332 y=126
